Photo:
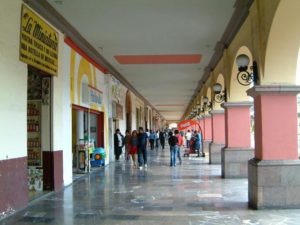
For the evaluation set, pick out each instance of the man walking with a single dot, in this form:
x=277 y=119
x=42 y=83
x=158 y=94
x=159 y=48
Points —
x=142 y=149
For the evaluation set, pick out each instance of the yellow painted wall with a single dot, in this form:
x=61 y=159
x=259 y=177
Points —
x=266 y=33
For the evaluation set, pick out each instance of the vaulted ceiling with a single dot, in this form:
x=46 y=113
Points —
x=160 y=46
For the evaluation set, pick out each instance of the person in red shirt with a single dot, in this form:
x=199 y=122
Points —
x=180 y=143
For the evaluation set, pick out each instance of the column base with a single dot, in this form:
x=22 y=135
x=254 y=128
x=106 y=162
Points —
x=235 y=162
x=206 y=144
x=215 y=153
x=274 y=184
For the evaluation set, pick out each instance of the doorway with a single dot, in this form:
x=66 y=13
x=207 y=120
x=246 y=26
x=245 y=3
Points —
x=87 y=127
x=39 y=113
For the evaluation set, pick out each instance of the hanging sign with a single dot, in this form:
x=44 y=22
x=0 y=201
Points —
x=91 y=95
x=96 y=96
x=186 y=124
x=38 y=42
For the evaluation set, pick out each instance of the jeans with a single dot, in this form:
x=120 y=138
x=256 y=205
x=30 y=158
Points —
x=173 y=150
x=187 y=143
x=179 y=155
x=142 y=156
x=152 y=144
x=162 y=143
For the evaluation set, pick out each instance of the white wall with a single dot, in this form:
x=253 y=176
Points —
x=13 y=85
x=66 y=118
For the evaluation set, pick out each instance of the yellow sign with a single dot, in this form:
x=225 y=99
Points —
x=38 y=42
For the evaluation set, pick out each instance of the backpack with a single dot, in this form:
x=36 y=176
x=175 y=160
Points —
x=173 y=140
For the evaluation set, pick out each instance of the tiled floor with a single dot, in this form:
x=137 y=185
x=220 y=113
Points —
x=191 y=194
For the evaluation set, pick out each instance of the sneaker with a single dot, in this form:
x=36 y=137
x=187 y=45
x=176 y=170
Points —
x=146 y=166
x=140 y=167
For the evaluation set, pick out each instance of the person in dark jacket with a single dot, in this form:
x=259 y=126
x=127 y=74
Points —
x=173 y=142
x=198 y=143
x=142 y=151
x=118 y=143
x=162 y=139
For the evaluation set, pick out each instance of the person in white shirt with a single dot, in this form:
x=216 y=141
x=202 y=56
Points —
x=118 y=143
x=188 y=137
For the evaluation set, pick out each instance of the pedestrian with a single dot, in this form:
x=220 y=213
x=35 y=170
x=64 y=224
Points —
x=142 y=151
x=173 y=141
x=148 y=136
x=188 y=137
x=152 y=138
x=118 y=143
x=198 y=143
x=162 y=139
x=134 y=147
x=156 y=140
x=180 y=142
x=127 y=144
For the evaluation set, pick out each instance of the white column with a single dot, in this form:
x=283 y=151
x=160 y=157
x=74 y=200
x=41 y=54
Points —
x=80 y=127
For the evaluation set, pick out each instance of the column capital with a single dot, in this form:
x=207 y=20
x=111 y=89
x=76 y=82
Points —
x=218 y=111
x=236 y=104
x=273 y=90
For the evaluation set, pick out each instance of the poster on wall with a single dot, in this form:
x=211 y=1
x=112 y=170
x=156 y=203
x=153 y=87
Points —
x=117 y=110
x=38 y=42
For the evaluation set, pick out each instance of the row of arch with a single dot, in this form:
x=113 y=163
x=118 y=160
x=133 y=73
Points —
x=270 y=36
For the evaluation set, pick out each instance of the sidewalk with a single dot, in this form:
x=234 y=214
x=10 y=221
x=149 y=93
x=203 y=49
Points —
x=193 y=193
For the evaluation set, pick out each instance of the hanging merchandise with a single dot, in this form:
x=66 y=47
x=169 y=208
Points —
x=34 y=135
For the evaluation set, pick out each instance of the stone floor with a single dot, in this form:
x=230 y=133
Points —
x=190 y=194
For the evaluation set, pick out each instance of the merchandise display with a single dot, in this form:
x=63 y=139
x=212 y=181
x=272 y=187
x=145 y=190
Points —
x=34 y=134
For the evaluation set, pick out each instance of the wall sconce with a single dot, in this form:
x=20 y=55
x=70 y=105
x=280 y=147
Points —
x=220 y=95
x=244 y=77
x=206 y=104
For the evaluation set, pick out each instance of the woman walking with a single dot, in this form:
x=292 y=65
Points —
x=133 y=147
x=152 y=138
x=127 y=144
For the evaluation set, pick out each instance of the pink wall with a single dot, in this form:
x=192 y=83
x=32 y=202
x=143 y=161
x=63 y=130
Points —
x=201 y=123
x=13 y=185
x=207 y=128
x=276 y=127
x=218 y=128
x=237 y=126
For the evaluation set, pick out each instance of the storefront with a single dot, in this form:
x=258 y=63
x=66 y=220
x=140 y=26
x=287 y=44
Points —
x=39 y=50
x=89 y=112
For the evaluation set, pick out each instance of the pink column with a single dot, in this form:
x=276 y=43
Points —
x=201 y=123
x=207 y=136
x=275 y=168
x=237 y=149
x=218 y=126
x=218 y=136
x=207 y=128
x=275 y=123
x=237 y=124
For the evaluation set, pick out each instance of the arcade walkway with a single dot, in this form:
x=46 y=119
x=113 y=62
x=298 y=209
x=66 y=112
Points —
x=190 y=194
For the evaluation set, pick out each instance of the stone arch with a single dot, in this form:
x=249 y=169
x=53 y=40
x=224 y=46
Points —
x=84 y=76
x=237 y=92
x=283 y=45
